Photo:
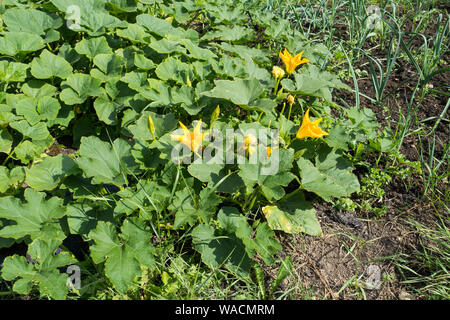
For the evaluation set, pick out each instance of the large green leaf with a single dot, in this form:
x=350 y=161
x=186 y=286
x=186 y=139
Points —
x=162 y=123
x=6 y=114
x=36 y=217
x=313 y=82
x=226 y=33
x=25 y=106
x=230 y=67
x=219 y=249
x=165 y=46
x=134 y=32
x=124 y=252
x=263 y=242
x=30 y=20
x=197 y=52
x=27 y=150
x=106 y=110
x=36 y=132
x=158 y=92
x=330 y=176
x=143 y=62
x=44 y=271
x=13 y=43
x=294 y=215
x=243 y=92
x=9 y=178
x=6 y=140
x=231 y=243
x=146 y=196
x=90 y=16
x=111 y=66
x=13 y=71
x=122 y=5
x=271 y=176
x=173 y=69
x=93 y=46
x=46 y=175
x=82 y=218
x=157 y=26
x=78 y=87
x=239 y=91
x=106 y=163
x=49 y=65
x=135 y=79
x=189 y=208
x=38 y=89
x=217 y=176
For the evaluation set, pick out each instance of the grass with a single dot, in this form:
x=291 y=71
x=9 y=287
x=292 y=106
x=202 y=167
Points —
x=427 y=270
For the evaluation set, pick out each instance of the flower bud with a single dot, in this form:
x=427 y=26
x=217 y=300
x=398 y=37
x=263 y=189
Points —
x=215 y=114
x=151 y=126
x=277 y=72
x=290 y=100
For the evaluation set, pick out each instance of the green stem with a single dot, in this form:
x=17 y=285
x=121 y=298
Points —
x=277 y=82
x=259 y=118
x=290 y=109
x=253 y=201
x=9 y=156
x=284 y=106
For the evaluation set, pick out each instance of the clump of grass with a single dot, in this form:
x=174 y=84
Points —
x=427 y=270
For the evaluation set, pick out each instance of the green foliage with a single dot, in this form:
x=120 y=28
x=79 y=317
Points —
x=113 y=86
x=330 y=175
x=43 y=270
x=293 y=215
x=124 y=253
x=36 y=217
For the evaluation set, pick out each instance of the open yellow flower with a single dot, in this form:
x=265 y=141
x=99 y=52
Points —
x=191 y=139
x=310 y=128
x=292 y=62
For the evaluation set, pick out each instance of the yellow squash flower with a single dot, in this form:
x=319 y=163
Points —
x=191 y=139
x=310 y=128
x=292 y=62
